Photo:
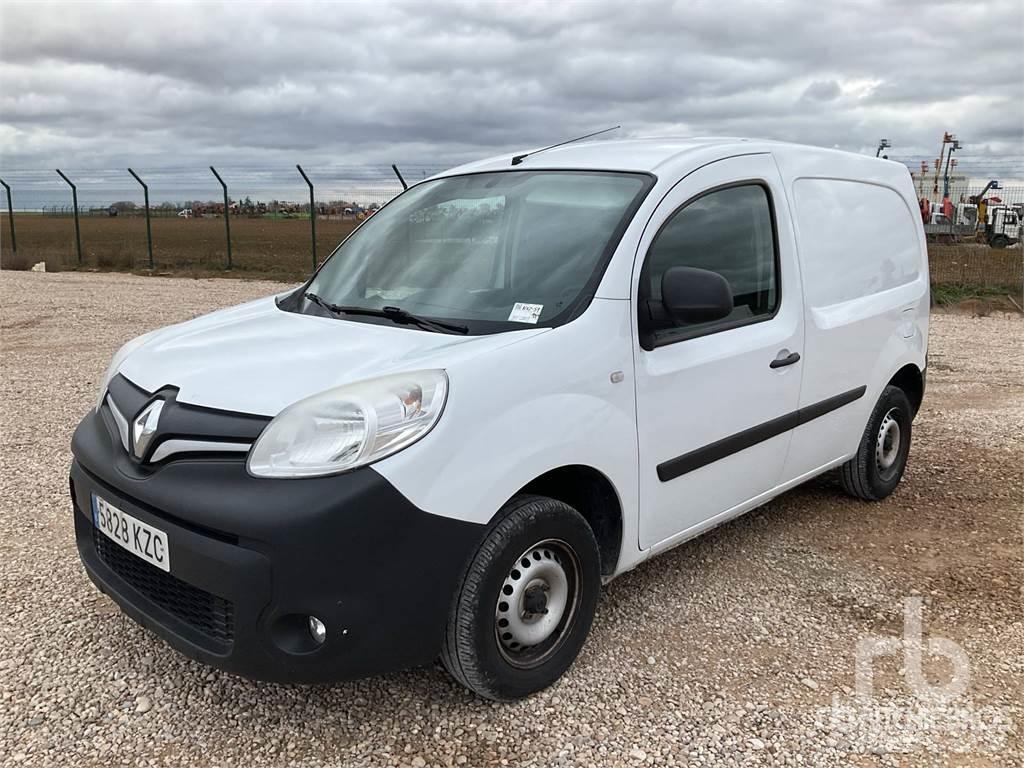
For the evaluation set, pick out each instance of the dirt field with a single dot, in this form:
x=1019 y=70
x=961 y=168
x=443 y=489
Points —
x=280 y=249
x=735 y=649
x=270 y=248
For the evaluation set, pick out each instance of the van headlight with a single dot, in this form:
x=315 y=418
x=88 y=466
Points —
x=349 y=426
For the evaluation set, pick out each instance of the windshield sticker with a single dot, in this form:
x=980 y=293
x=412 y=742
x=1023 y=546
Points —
x=525 y=313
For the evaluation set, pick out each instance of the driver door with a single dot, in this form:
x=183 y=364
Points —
x=714 y=399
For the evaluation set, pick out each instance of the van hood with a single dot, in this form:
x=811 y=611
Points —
x=257 y=358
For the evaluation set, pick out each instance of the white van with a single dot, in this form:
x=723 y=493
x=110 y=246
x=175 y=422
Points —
x=518 y=380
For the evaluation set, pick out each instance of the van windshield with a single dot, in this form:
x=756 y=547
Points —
x=490 y=251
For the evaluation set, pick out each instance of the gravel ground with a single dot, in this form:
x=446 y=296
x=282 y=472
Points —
x=735 y=649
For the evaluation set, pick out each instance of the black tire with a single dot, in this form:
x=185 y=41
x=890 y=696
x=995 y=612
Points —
x=869 y=475
x=1000 y=241
x=546 y=534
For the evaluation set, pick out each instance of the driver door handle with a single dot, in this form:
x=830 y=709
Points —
x=780 y=362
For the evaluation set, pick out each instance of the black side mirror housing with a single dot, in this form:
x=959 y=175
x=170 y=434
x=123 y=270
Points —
x=692 y=295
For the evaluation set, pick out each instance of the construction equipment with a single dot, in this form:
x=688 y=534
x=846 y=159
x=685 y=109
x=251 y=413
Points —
x=976 y=199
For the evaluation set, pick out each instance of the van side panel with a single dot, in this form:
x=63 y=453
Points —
x=857 y=239
x=865 y=276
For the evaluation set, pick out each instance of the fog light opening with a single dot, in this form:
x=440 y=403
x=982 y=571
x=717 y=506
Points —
x=317 y=630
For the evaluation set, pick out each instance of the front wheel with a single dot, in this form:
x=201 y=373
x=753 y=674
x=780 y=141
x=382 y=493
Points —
x=526 y=602
x=877 y=467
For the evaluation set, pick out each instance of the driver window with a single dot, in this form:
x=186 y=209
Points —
x=728 y=231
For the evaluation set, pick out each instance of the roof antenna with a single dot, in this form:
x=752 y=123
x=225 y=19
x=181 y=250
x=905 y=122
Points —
x=517 y=159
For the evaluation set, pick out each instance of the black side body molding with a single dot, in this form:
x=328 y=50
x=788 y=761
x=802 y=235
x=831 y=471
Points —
x=720 y=449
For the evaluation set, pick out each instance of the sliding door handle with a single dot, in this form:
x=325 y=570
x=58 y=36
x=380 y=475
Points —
x=782 y=361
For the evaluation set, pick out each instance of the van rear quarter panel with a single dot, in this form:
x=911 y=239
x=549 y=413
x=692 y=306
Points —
x=864 y=270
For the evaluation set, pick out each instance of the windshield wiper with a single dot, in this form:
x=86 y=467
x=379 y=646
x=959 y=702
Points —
x=395 y=314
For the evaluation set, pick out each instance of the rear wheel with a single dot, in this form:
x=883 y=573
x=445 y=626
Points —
x=876 y=469
x=526 y=602
x=1000 y=241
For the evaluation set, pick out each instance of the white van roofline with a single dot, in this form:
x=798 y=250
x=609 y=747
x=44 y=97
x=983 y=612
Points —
x=669 y=154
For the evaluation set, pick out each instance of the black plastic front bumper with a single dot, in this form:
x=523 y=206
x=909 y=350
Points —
x=252 y=558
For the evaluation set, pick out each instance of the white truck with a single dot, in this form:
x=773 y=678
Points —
x=1002 y=226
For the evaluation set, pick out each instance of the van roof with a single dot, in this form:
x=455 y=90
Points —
x=640 y=154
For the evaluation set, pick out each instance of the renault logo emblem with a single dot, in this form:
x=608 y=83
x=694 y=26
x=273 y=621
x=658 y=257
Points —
x=144 y=427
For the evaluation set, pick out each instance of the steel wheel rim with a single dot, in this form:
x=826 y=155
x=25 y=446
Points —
x=537 y=601
x=887 y=443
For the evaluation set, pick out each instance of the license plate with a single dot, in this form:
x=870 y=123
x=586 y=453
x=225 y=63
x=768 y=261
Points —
x=140 y=539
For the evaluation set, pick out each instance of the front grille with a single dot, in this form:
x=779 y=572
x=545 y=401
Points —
x=209 y=614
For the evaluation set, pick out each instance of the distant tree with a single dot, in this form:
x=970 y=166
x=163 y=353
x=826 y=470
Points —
x=123 y=205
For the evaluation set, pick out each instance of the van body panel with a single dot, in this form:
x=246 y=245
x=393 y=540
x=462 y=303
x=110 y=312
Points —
x=551 y=403
x=865 y=274
x=256 y=358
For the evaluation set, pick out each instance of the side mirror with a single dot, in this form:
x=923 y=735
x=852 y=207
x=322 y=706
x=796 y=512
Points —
x=693 y=295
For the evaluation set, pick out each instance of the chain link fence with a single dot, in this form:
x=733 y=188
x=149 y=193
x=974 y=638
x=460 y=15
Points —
x=261 y=225
x=974 y=238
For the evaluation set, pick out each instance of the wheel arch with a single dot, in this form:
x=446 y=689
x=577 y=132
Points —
x=910 y=379
x=592 y=494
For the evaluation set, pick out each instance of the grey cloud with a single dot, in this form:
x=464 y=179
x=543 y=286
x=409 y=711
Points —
x=171 y=85
x=822 y=90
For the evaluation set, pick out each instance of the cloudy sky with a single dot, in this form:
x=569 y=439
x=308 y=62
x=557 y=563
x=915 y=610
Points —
x=251 y=85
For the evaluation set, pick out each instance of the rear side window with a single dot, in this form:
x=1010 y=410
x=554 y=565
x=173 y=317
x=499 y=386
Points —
x=856 y=239
x=729 y=231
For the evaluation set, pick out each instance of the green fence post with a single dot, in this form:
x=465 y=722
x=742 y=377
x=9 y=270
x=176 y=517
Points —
x=312 y=211
x=10 y=217
x=227 y=213
x=398 y=173
x=74 y=202
x=149 y=231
